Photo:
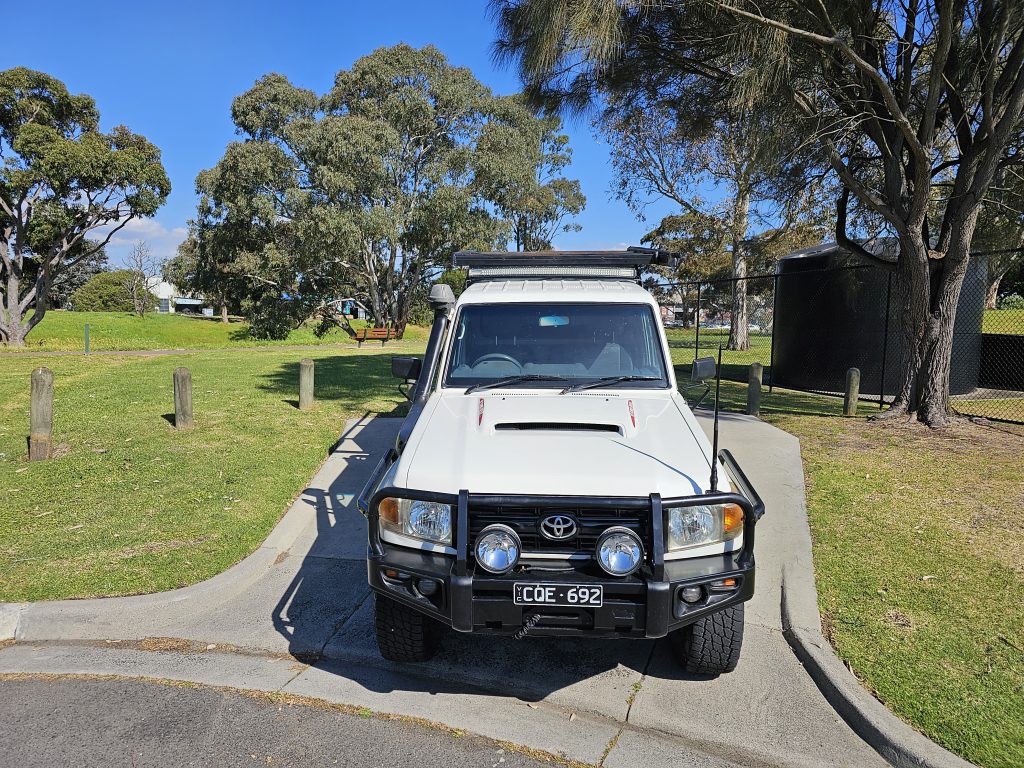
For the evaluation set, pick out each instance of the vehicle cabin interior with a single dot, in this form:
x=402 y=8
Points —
x=577 y=341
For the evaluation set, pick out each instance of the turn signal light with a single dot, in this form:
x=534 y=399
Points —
x=732 y=518
x=388 y=510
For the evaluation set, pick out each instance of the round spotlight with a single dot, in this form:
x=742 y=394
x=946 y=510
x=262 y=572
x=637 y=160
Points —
x=497 y=548
x=619 y=551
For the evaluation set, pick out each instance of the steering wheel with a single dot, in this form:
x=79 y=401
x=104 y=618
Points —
x=497 y=356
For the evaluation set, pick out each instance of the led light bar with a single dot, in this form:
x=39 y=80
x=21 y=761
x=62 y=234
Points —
x=628 y=273
x=629 y=264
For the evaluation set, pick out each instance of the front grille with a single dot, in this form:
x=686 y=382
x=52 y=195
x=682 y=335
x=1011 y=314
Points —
x=525 y=521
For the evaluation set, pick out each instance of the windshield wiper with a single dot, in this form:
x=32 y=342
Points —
x=514 y=380
x=606 y=381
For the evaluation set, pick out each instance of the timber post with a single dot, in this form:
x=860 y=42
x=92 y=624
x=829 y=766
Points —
x=40 y=438
x=754 y=374
x=183 y=398
x=852 y=392
x=305 y=384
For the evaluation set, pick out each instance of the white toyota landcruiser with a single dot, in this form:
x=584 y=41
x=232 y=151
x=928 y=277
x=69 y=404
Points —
x=550 y=479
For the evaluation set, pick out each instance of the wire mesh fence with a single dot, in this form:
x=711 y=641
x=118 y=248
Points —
x=812 y=320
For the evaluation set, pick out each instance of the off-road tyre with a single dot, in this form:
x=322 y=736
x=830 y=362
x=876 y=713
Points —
x=403 y=633
x=710 y=646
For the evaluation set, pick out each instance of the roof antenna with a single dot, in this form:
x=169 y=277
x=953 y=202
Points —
x=714 y=444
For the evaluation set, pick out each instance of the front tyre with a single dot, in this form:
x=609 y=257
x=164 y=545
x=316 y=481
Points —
x=403 y=633
x=710 y=646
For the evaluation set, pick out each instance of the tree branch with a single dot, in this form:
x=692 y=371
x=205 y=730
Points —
x=843 y=240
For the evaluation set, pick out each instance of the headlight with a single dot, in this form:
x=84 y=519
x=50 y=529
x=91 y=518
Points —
x=696 y=526
x=427 y=520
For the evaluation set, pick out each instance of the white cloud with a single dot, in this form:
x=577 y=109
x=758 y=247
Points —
x=163 y=241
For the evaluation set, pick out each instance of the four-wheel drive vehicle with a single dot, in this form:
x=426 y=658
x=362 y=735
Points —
x=550 y=479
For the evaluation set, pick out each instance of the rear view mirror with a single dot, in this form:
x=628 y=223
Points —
x=405 y=368
x=553 y=321
x=703 y=369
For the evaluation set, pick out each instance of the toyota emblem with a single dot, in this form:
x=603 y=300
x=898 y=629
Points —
x=558 y=527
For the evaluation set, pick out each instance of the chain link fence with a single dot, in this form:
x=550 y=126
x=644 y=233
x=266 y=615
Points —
x=813 y=320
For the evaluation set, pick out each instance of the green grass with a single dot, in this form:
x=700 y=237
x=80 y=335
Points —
x=122 y=331
x=683 y=342
x=1003 y=321
x=1010 y=409
x=133 y=506
x=919 y=557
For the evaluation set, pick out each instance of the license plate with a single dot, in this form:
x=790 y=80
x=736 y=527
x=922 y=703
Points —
x=568 y=595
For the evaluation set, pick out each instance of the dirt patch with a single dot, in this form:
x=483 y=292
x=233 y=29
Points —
x=897 y=618
x=159 y=546
x=171 y=644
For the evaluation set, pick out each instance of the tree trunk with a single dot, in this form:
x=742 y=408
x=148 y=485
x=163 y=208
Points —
x=998 y=267
x=992 y=294
x=739 y=328
x=934 y=407
x=224 y=313
x=13 y=325
x=929 y=292
x=913 y=291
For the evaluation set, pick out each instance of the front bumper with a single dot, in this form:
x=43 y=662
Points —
x=646 y=604
x=637 y=606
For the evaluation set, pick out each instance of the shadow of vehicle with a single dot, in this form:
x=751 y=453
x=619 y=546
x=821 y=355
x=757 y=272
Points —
x=326 y=613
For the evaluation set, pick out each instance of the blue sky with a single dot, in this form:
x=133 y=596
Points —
x=170 y=70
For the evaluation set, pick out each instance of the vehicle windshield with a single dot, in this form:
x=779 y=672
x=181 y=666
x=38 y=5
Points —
x=555 y=345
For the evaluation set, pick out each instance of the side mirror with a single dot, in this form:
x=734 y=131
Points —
x=405 y=368
x=703 y=369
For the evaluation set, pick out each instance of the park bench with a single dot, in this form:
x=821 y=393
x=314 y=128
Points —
x=383 y=335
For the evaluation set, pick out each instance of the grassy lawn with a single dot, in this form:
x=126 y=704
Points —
x=132 y=506
x=919 y=559
x=122 y=331
x=1010 y=409
x=919 y=555
x=1003 y=321
x=683 y=342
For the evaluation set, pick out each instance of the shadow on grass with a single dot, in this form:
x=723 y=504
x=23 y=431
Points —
x=353 y=380
x=779 y=401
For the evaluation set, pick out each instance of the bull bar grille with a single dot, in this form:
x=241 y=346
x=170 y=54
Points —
x=525 y=521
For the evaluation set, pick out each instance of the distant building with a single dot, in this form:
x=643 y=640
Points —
x=170 y=299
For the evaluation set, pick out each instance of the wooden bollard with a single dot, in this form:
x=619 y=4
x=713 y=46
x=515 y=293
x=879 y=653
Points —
x=182 y=398
x=852 y=392
x=305 y=384
x=754 y=389
x=40 y=438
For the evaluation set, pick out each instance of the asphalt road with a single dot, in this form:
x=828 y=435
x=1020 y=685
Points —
x=69 y=722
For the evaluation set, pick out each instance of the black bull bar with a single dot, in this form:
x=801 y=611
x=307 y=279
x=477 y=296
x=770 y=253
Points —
x=460 y=578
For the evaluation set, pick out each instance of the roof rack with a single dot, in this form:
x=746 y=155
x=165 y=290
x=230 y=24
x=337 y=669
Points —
x=629 y=264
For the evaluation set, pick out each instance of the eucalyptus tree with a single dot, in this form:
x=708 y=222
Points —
x=664 y=147
x=914 y=105
x=520 y=164
x=61 y=180
x=367 y=190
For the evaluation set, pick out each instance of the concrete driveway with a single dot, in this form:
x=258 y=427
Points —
x=295 y=617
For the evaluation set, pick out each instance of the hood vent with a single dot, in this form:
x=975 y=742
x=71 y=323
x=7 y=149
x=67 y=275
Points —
x=558 y=426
